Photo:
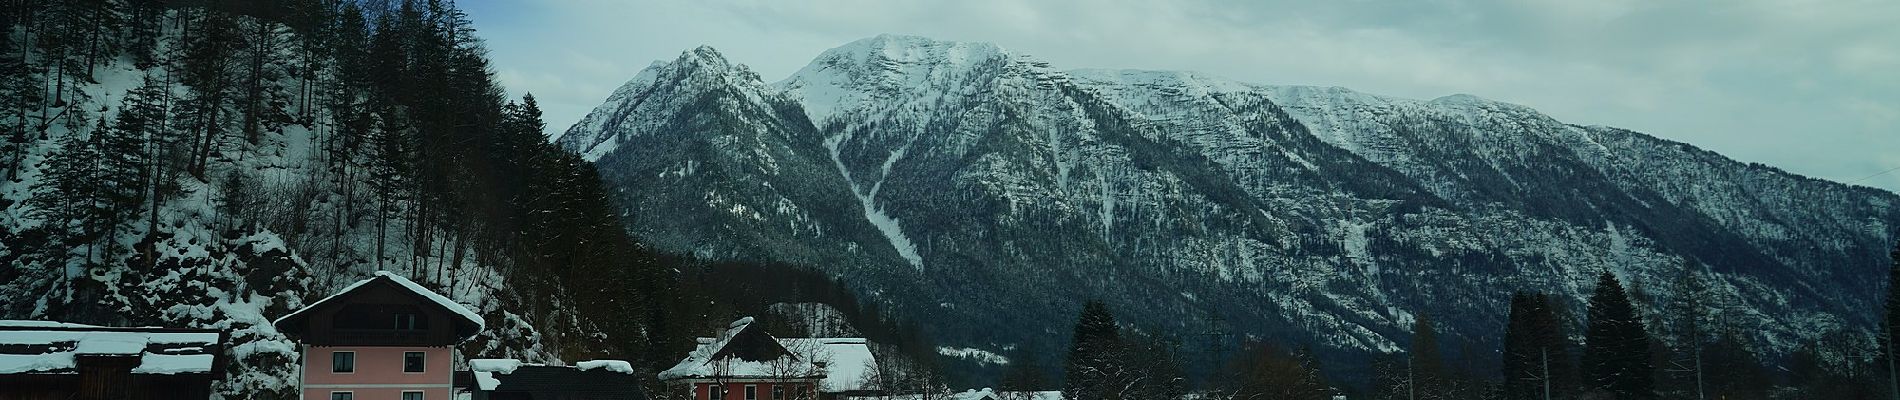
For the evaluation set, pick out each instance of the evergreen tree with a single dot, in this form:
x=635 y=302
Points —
x=1426 y=367
x=1526 y=370
x=1094 y=361
x=1616 y=359
x=70 y=196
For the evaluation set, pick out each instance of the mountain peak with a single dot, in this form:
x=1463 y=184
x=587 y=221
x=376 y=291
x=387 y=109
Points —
x=704 y=57
x=917 y=48
x=848 y=75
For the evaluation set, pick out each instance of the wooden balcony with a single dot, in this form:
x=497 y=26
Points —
x=382 y=337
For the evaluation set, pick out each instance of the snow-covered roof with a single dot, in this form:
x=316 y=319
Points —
x=453 y=307
x=839 y=363
x=845 y=360
x=596 y=379
x=606 y=365
x=45 y=347
x=731 y=356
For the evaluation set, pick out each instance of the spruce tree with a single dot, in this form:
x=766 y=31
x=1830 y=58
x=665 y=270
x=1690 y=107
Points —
x=1426 y=366
x=1526 y=374
x=70 y=196
x=1616 y=358
x=1094 y=361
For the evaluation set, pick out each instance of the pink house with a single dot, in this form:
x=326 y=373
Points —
x=382 y=338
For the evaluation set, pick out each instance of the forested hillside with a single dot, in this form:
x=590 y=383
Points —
x=219 y=163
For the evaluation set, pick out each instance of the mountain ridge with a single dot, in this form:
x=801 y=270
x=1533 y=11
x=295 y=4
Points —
x=976 y=185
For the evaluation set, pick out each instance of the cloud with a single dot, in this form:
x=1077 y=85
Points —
x=1806 y=85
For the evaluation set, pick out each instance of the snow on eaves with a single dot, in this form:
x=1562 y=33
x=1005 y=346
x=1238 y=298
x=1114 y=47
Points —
x=453 y=307
x=55 y=347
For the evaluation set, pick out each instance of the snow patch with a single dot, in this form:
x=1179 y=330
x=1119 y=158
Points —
x=974 y=354
x=892 y=229
x=610 y=365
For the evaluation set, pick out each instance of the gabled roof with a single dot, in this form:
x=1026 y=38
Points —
x=742 y=352
x=468 y=322
x=46 y=347
x=745 y=351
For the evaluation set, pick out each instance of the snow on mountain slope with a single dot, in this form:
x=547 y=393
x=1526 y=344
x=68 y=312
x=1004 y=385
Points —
x=707 y=139
x=1314 y=214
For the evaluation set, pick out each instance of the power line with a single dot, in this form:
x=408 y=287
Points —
x=1874 y=175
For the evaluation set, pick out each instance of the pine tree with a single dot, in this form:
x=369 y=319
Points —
x=1526 y=364
x=1616 y=359
x=1094 y=361
x=70 y=195
x=1426 y=366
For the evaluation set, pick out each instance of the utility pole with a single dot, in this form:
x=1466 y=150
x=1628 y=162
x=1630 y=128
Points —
x=1546 y=352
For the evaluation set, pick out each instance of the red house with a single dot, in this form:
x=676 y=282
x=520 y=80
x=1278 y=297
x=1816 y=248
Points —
x=382 y=338
x=746 y=363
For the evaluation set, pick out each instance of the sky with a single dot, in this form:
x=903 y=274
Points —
x=1809 y=86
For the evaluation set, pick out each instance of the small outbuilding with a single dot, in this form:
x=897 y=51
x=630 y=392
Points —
x=56 y=360
x=498 y=379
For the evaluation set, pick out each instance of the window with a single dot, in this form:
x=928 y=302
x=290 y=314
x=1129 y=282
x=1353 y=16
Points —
x=343 y=362
x=363 y=316
x=778 y=392
x=342 y=396
x=751 y=392
x=411 y=395
x=716 y=391
x=412 y=361
x=408 y=321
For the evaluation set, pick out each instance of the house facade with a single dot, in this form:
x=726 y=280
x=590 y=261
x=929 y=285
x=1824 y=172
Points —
x=382 y=338
x=747 y=363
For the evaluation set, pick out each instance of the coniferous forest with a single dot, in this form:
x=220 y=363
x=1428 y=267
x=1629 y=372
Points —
x=220 y=163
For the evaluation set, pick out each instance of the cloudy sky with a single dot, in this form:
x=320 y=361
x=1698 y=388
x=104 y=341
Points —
x=1810 y=86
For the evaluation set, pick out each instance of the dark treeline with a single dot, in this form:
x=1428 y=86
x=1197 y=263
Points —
x=1685 y=350
x=403 y=154
x=419 y=162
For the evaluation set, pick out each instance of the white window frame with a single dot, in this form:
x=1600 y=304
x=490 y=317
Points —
x=425 y=362
x=716 y=391
x=333 y=394
x=352 y=364
x=419 y=395
x=751 y=392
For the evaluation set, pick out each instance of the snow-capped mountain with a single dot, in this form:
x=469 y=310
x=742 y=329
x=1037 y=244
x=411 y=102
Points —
x=985 y=194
